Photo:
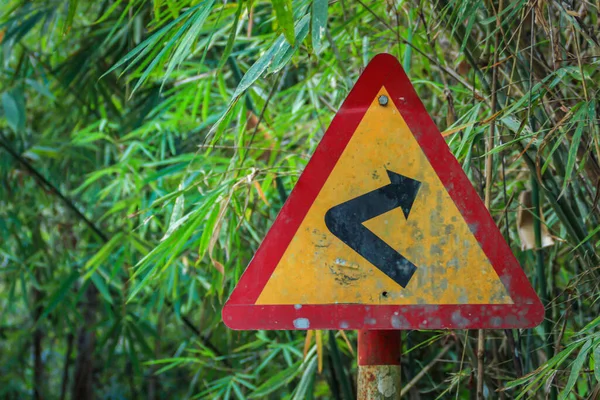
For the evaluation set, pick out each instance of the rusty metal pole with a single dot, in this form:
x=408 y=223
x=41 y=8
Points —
x=379 y=365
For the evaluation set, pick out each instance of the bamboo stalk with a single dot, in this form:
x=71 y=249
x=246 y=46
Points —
x=489 y=160
x=541 y=273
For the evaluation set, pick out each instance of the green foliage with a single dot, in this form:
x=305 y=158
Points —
x=146 y=147
x=283 y=12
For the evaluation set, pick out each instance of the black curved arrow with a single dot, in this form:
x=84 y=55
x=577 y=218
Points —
x=346 y=222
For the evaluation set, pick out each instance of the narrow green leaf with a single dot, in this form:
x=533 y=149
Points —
x=318 y=23
x=283 y=57
x=260 y=66
x=276 y=381
x=98 y=281
x=102 y=254
x=237 y=391
x=183 y=49
x=133 y=355
x=593 y=324
x=40 y=88
x=207 y=232
x=406 y=61
x=249 y=4
x=59 y=294
x=13 y=111
x=310 y=368
x=254 y=72
x=176 y=215
x=232 y=35
x=267 y=361
x=597 y=362
x=159 y=57
x=149 y=44
x=285 y=19
x=576 y=369
x=112 y=333
x=588 y=237
x=140 y=338
x=70 y=15
x=108 y=12
x=575 y=141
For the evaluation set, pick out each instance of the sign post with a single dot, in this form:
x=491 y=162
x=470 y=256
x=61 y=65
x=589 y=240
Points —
x=383 y=232
x=379 y=365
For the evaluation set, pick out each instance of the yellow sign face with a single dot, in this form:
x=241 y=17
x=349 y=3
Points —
x=451 y=268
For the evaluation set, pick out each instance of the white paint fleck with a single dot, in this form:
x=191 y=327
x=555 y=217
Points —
x=399 y=322
x=301 y=323
x=385 y=384
x=344 y=263
x=344 y=325
x=458 y=320
x=297 y=306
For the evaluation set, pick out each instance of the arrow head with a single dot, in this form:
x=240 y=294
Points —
x=345 y=221
x=405 y=189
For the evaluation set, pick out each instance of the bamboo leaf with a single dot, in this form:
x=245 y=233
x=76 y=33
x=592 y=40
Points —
x=14 y=110
x=276 y=381
x=574 y=145
x=597 y=362
x=285 y=18
x=176 y=215
x=310 y=367
x=318 y=23
x=149 y=44
x=99 y=283
x=70 y=16
x=183 y=49
x=105 y=251
x=59 y=294
x=109 y=12
x=283 y=57
x=140 y=338
x=576 y=369
x=232 y=35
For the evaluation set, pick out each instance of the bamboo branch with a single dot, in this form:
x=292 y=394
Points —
x=488 y=189
x=40 y=178
x=103 y=237
x=433 y=60
x=424 y=371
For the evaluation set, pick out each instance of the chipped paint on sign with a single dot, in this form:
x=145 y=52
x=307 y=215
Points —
x=302 y=323
x=451 y=266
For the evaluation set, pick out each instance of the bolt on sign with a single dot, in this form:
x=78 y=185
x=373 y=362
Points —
x=383 y=231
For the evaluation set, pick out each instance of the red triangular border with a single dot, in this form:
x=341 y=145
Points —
x=240 y=311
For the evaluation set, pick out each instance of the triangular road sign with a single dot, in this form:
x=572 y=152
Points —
x=383 y=231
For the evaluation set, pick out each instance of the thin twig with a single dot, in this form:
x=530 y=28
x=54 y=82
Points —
x=449 y=71
x=424 y=370
x=51 y=187
x=274 y=89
